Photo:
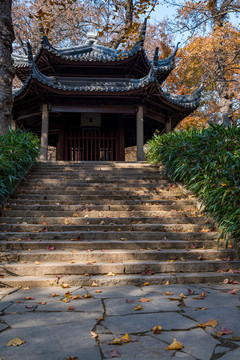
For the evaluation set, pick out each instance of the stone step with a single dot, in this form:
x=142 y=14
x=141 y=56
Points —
x=124 y=267
x=87 y=213
x=103 y=220
x=107 y=207
x=95 y=176
x=116 y=255
x=119 y=280
x=101 y=197
x=96 y=165
x=97 y=182
x=18 y=202
x=123 y=244
x=110 y=235
x=39 y=228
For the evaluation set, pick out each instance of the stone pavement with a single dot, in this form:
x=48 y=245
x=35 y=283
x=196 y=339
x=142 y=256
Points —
x=56 y=323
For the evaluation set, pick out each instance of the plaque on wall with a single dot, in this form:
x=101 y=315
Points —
x=90 y=119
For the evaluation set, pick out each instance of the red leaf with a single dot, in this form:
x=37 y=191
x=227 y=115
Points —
x=52 y=247
x=129 y=301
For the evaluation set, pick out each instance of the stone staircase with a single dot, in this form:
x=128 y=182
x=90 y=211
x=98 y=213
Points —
x=107 y=222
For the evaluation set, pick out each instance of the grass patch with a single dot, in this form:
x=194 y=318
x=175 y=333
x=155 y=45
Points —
x=207 y=162
x=18 y=150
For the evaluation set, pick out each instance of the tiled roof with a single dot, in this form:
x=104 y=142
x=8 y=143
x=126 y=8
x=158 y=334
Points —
x=81 y=85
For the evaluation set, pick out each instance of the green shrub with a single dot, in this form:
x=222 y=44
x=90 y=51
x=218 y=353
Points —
x=18 y=150
x=207 y=162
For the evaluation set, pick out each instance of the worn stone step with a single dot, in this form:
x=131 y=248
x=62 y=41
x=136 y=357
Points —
x=105 y=228
x=110 y=235
x=84 y=197
x=124 y=267
x=95 y=177
x=119 y=280
x=94 y=214
x=108 y=207
x=116 y=255
x=109 y=181
x=104 y=221
x=96 y=165
x=124 y=244
x=101 y=202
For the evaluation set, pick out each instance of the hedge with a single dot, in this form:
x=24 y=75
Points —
x=18 y=150
x=207 y=162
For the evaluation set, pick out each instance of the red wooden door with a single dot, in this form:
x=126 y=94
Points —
x=91 y=145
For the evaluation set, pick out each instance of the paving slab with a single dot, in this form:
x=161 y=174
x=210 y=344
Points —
x=52 y=331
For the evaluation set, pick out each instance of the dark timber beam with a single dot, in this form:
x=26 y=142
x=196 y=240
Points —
x=94 y=109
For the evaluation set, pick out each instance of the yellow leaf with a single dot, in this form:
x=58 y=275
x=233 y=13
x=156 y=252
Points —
x=94 y=335
x=16 y=342
x=157 y=329
x=168 y=293
x=182 y=296
x=139 y=307
x=224 y=184
x=68 y=295
x=54 y=295
x=211 y=322
x=110 y=274
x=98 y=291
x=167 y=283
x=37 y=263
x=200 y=308
x=176 y=345
x=65 y=300
x=75 y=215
x=146 y=284
x=65 y=286
x=87 y=296
x=116 y=341
x=76 y=297
x=125 y=338
x=201 y=325
x=145 y=300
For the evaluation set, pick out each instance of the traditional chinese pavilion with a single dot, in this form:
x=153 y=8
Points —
x=91 y=101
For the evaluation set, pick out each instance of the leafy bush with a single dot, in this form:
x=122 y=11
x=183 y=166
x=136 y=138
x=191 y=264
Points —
x=207 y=162
x=18 y=150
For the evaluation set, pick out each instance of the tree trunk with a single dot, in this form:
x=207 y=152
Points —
x=6 y=66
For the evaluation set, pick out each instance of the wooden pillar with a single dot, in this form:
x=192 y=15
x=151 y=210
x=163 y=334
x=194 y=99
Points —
x=61 y=145
x=168 y=125
x=140 y=134
x=44 y=133
x=121 y=139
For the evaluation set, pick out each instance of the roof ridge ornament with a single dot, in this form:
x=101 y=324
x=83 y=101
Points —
x=92 y=38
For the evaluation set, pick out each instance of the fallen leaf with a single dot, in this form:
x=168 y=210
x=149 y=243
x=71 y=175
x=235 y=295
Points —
x=201 y=308
x=16 y=342
x=157 y=329
x=114 y=353
x=94 y=284
x=129 y=301
x=145 y=300
x=182 y=296
x=74 y=251
x=43 y=303
x=138 y=307
x=167 y=282
x=168 y=293
x=29 y=298
x=146 y=284
x=235 y=338
x=176 y=345
x=26 y=288
x=125 y=338
x=234 y=291
x=94 y=335
x=225 y=281
x=59 y=276
x=72 y=358
x=65 y=286
x=52 y=247
x=98 y=291
x=110 y=274
x=75 y=215
x=87 y=296
x=201 y=325
x=71 y=308
x=54 y=295
x=191 y=292
x=211 y=322
x=116 y=341
x=37 y=263
x=76 y=297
